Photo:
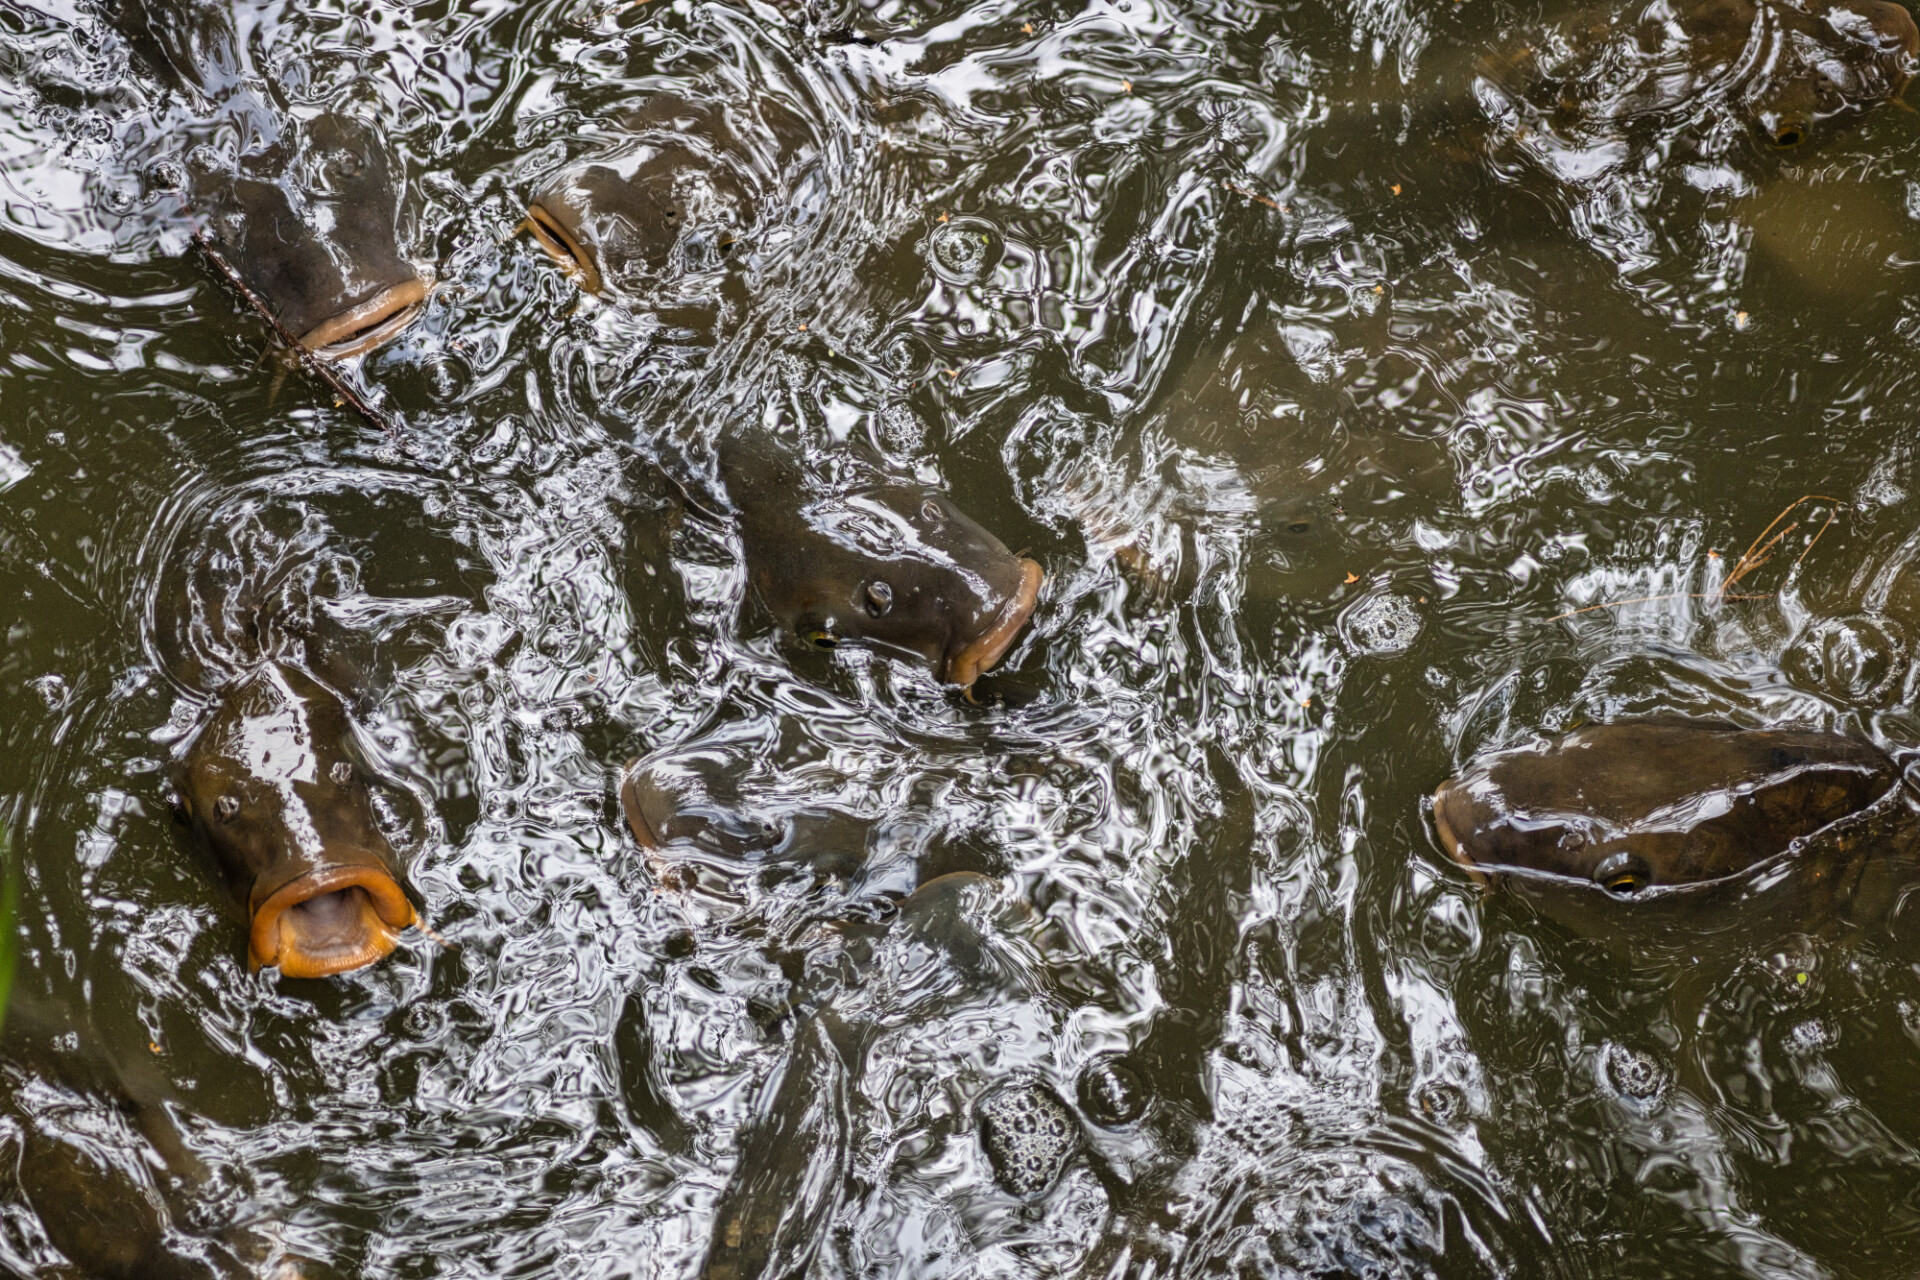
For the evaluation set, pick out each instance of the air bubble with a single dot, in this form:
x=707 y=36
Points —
x=1110 y=1093
x=1633 y=1073
x=964 y=250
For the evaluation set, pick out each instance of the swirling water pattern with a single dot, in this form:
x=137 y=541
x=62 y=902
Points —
x=1320 y=411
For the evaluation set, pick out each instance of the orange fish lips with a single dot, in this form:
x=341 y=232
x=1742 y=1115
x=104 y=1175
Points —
x=978 y=657
x=333 y=920
x=361 y=328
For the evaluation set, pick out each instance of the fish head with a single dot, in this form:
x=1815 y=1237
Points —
x=1638 y=805
x=897 y=567
x=314 y=234
x=270 y=789
x=624 y=220
x=1832 y=66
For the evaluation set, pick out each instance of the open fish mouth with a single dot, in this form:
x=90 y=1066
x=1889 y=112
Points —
x=329 y=921
x=563 y=247
x=973 y=661
x=359 y=329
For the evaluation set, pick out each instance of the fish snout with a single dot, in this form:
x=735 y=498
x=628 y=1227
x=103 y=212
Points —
x=976 y=655
x=562 y=244
x=329 y=921
x=366 y=325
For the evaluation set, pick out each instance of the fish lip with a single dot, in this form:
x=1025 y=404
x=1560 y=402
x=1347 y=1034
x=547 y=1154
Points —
x=966 y=666
x=630 y=805
x=383 y=915
x=361 y=328
x=562 y=246
x=1450 y=841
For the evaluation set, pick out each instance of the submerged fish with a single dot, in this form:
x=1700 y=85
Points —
x=114 y=1219
x=1643 y=805
x=888 y=564
x=272 y=786
x=622 y=218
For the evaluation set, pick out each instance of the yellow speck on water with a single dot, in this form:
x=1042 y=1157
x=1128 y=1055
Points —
x=1713 y=555
x=1352 y=578
x=1379 y=288
x=1027 y=27
x=1395 y=188
x=1126 y=86
x=1740 y=321
x=803 y=327
x=1801 y=977
x=1307 y=701
x=154 y=1045
x=943 y=217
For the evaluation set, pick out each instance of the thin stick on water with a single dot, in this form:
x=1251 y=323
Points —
x=1761 y=549
x=308 y=360
x=1671 y=595
x=1758 y=552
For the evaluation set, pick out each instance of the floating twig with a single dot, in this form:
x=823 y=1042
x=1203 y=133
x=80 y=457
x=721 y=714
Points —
x=1268 y=201
x=308 y=359
x=1671 y=595
x=1760 y=550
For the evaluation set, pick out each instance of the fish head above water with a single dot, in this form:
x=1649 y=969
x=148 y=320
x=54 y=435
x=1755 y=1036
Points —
x=1830 y=65
x=1644 y=804
x=269 y=786
x=315 y=235
x=895 y=566
x=622 y=220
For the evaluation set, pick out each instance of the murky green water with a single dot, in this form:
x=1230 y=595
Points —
x=1317 y=405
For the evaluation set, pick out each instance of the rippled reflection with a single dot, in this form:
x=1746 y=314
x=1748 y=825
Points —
x=1376 y=384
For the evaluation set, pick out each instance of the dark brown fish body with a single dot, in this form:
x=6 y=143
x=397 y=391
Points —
x=888 y=564
x=1640 y=804
x=308 y=211
x=272 y=786
x=1791 y=72
x=1668 y=822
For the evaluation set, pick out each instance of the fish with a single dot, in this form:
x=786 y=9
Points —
x=272 y=786
x=307 y=214
x=76 y=1102
x=316 y=238
x=621 y=219
x=1638 y=806
x=883 y=562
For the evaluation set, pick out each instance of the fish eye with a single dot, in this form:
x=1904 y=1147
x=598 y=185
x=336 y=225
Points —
x=1790 y=134
x=879 y=598
x=1623 y=874
x=821 y=638
x=1299 y=526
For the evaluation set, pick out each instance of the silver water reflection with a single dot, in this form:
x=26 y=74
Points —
x=1314 y=418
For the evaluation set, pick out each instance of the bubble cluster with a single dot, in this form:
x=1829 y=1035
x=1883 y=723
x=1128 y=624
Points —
x=1029 y=1136
x=1633 y=1073
x=1381 y=624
